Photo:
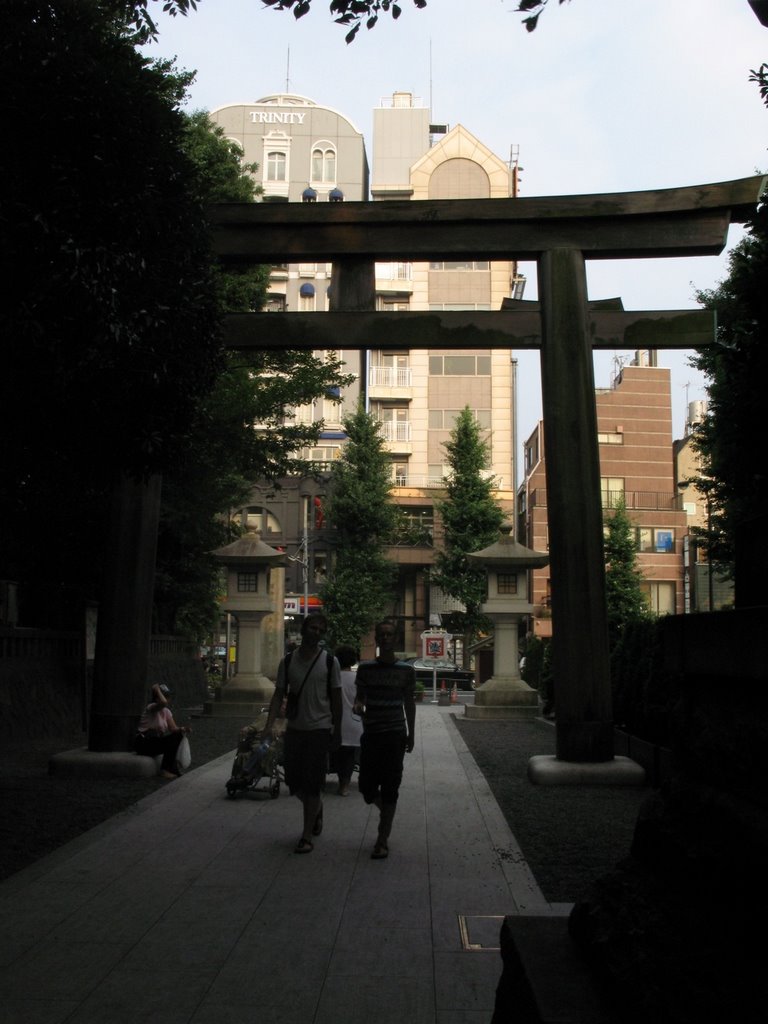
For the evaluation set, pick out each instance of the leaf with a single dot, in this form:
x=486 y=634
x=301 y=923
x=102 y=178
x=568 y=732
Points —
x=351 y=35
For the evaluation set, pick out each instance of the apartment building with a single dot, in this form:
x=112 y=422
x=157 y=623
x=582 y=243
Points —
x=305 y=152
x=310 y=153
x=418 y=394
x=637 y=464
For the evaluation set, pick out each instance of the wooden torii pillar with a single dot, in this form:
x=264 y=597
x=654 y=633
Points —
x=560 y=233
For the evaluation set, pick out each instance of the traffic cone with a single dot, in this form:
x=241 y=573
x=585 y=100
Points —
x=454 y=695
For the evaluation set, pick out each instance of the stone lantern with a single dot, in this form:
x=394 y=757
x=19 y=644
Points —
x=249 y=563
x=506 y=694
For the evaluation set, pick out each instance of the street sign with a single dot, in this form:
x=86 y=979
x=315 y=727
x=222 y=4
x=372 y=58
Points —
x=434 y=645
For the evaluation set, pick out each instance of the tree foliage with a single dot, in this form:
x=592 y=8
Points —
x=241 y=432
x=623 y=580
x=110 y=310
x=347 y=12
x=471 y=519
x=733 y=480
x=534 y=10
x=112 y=313
x=360 y=586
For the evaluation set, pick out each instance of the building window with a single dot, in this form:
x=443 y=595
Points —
x=459 y=265
x=277 y=164
x=324 y=164
x=437 y=306
x=247 y=582
x=418 y=524
x=660 y=597
x=400 y=474
x=260 y=519
x=460 y=366
x=611 y=438
x=445 y=419
x=650 y=538
x=506 y=582
x=611 y=490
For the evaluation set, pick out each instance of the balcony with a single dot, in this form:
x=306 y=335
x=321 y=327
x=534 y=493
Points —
x=655 y=501
x=396 y=430
x=397 y=436
x=390 y=382
x=390 y=377
x=394 y=277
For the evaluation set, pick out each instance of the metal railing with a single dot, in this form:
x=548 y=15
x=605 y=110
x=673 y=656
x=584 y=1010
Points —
x=390 y=377
x=396 y=430
x=659 y=501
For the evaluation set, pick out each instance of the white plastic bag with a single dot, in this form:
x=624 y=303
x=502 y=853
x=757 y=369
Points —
x=184 y=754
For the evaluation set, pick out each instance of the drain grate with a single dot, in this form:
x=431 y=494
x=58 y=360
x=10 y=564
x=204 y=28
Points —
x=480 y=933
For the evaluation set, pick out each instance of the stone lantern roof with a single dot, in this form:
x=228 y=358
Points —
x=507 y=554
x=249 y=550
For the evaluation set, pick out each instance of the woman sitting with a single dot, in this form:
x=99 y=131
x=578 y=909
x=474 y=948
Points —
x=158 y=732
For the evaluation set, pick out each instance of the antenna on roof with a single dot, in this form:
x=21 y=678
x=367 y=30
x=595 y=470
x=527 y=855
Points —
x=430 y=79
x=288 y=71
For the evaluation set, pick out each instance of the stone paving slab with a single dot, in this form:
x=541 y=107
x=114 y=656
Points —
x=192 y=908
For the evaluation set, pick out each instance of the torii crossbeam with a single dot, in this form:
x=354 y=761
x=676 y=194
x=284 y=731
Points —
x=560 y=233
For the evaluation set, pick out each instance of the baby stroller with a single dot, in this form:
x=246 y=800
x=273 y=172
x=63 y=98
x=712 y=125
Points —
x=257 y=760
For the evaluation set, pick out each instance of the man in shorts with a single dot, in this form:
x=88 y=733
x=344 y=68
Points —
x=385 y=700
x=309 y=679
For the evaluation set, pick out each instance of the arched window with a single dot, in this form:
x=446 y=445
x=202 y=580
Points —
x=324 y=163
x=276 y=166
x=260 y=517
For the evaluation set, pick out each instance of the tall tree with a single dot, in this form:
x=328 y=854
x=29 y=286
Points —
x=110 y=305
x=241 y=432
x=360 y=586
x=623 y=579
x=471 y=519
x=733 y=479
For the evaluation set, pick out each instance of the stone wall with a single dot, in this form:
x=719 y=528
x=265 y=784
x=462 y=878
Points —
x=45 y=681
x=671 y=932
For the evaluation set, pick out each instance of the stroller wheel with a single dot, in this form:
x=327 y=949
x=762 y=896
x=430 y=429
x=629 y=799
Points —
x=236 y=785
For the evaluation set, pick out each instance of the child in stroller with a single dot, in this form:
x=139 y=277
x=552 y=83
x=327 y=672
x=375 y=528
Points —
x=258 y=759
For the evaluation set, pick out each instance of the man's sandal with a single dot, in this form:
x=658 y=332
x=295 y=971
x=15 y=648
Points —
x=380 y=851
x=303 y=846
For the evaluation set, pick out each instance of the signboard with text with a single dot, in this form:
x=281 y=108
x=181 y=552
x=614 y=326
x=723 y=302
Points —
x=434 y=645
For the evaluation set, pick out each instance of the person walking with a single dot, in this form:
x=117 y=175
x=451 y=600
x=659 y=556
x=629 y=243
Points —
x=309 y=680
x=343 y=760
x=385 y=700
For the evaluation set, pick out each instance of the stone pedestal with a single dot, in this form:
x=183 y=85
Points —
x=249 y=562
x=505 y=695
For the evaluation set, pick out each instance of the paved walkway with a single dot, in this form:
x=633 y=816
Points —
x=193 y=909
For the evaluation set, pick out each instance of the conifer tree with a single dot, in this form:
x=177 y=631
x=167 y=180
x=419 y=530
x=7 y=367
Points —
x=361 y=583
x=623 y=580
x=471 y=519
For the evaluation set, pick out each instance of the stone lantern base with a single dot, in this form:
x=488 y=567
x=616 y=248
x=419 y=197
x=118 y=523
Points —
x=504 y=697
x=244 y=696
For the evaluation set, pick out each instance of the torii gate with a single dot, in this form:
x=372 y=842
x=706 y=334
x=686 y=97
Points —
x=560 y=233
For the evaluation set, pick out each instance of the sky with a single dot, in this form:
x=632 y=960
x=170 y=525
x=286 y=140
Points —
x=604 y=96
